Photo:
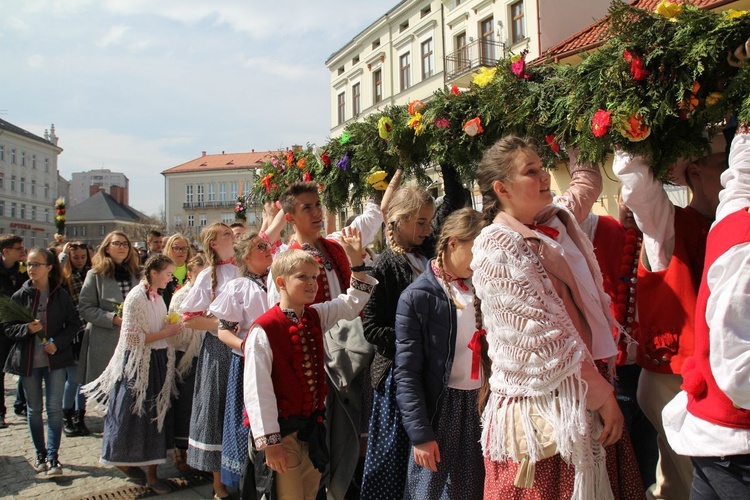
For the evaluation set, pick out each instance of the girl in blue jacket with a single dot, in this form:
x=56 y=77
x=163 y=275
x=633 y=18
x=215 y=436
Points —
x=438 y=369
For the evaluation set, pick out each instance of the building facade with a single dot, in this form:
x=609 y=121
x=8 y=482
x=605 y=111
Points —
x=28 y=183
x=102 y=213
x=205 y=190
x=82 y=183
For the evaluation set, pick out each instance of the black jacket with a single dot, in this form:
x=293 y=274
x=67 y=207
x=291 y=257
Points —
x=425 y=347
x=394 y=274
x=11 y=282
x=62 y=324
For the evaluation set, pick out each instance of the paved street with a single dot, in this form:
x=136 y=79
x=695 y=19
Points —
x=84 y=476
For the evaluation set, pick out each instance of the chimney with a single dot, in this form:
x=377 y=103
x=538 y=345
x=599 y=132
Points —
x=204 y=154
x=252 y=150
x=95 y=189
x=222 y=152
x=118 y=193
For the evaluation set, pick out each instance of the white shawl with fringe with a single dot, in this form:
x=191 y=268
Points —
x=536 y=354
x=135 y=325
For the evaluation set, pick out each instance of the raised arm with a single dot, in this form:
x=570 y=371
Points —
x=585 y=188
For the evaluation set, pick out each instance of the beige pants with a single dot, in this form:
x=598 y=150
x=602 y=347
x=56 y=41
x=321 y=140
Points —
x=674 y=473
x=302 y=480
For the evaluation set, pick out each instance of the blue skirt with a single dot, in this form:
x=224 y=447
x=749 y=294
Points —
x=209 y=399
x=234 y=444
x=182 y=404
x=388 y=447
x=132 y=440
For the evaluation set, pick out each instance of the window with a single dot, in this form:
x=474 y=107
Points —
x=355 y=60
x=23 y=158
x=178 y=220
x=33 y=212
x=2 y=181
x=403 y=27
x=517 y=27
x=33 y=161
x=376 y=44
x=33 y=187
x=234 y=187
x=342 y=107
x=462 y=52
x=227 y=218
x=211 y=192
x=102 y=230
x=425 y=12
x=404 y=64
x=2 y=208
x=189 y=193
x=356 y=101
x=428 y=64
x=13 y=209
x=222 y=191
x=203 y=220
x=341 y=70
x=191 y=220
x=46 y=165
x=13 y=156
x=12 y=182
x=23 y=211
x=46 y=191
x=200 y=193
x=377 y=86
x=75 y=231
x=487 y=46
x=46 y=215
x=23 y=185
x=83 y=230
x=2 y=153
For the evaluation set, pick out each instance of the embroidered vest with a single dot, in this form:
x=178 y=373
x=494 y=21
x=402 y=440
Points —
x=341 y=267
x=705 y=400
x=666 y=299
x=297 y=372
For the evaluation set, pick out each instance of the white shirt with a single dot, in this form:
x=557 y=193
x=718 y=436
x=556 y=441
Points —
x=241 y=301
x=259 y=396
x=460 y=377
x=201 y=295
x=728 y=317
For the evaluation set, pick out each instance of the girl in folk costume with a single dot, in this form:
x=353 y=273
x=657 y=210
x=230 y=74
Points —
x=187 y=345
x=550 y=412
x=237 y=306
x=115 y=271
x=76 y=264
x=437 y=369
x=409 y=229
x=212 y=371
x=179 y=250
x=138 y=383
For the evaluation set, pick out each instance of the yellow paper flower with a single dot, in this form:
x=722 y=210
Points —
x=385 y=126
x=380 y=186
x=376 y=177
x=670 y=10
x=172 y=318
x=713 y=98
x=416 y=123
x=734 y=14
x=484 y=77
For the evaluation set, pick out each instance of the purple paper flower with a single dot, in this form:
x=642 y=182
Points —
x=345 y=162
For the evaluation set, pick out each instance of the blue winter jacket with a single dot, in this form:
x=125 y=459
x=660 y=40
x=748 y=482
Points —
x=425 y=347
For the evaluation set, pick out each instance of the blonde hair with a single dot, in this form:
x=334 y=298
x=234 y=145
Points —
x=208 y=236
x=498 y=164
x=465 y=225
x=103 y=264
x=289 y=261
x=405 y=204
x=242 y=247
x=171 y=241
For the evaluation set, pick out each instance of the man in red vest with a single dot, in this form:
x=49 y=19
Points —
x=668 y=277
x=710 y=420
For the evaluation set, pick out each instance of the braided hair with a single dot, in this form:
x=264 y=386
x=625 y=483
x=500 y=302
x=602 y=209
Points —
x=209 y=235
x=405 y=204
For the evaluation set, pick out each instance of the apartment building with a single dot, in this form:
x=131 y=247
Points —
x=28 y=183
x=85 y=184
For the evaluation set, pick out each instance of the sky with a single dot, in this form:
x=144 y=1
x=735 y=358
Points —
x=140 y=86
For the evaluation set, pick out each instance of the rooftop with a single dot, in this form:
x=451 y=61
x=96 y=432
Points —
x=24 y=133
x=223 y=161
x=102 y=207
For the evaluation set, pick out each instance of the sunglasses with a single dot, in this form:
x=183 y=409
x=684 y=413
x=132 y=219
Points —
x=79 y=245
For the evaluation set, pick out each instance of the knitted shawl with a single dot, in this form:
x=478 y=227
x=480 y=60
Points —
x=536 y=354
x=135 y=369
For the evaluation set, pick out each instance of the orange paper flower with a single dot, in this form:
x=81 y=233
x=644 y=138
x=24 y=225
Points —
x=634 y=128
x=416 y=107
x=302 y=163
x=473 y=127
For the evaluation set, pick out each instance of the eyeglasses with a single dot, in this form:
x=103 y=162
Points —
x=119 y=244
x=33 y=265
x=263 y=246
x=180 y=249
x=21 y=248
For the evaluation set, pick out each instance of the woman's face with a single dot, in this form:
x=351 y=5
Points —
x=118 y=249
x=78 y=257
x=223 y=242
x=160 y=279
x=527 y=191
x=37 y=268
x=178 y=251
x=412 y=232
x=259 y=256
x=458 y=257
x=194 y=272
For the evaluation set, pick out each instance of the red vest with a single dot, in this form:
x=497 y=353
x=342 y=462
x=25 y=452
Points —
x=616 y=250
x=705 y=400
x=298 y=371
x=666 y=299
x=340 y=261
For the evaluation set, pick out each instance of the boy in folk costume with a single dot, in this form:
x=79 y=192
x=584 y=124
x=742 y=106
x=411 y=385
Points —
x=668 y=276
x=285 y=382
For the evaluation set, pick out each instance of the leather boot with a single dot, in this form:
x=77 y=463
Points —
x=80 y=424
x=69 y=427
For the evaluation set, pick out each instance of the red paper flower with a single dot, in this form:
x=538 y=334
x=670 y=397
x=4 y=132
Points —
x=518 y=66
x=442 y=122
x=416 y=107
x=325 y=159
x=289 y=159
x=266 y=182
x=601 y=122
x=637 y=68
x=307 y=177
x=454 y=90
x=552 y=142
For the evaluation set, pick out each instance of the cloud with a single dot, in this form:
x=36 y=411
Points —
x=35 y=61
x=114 y=36
x=15 y=23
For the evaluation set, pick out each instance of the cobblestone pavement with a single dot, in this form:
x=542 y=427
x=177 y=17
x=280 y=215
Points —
x=83 y=475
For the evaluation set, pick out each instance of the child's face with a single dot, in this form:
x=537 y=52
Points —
x=308 y=213
x=224 y=240
x=302 y=285
x=160 y=279
x=259 y=256
x=413 y=231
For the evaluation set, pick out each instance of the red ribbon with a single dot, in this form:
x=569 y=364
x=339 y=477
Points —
x=547 y=230
x=476 y=349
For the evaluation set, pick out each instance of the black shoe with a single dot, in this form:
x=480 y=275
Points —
x=21 y=412
x=53 y=467
x=69 y=428
x=40 y=465
x=3 y=423
x=80 y=424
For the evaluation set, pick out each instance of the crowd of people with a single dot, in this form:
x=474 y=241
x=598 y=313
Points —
x=508 y=353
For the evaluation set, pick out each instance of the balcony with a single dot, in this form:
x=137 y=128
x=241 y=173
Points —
x=209 y=204
x=468 y=59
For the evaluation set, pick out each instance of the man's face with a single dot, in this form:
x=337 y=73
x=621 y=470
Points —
x=156 y=244
x=308 y=214
x=14 y=253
